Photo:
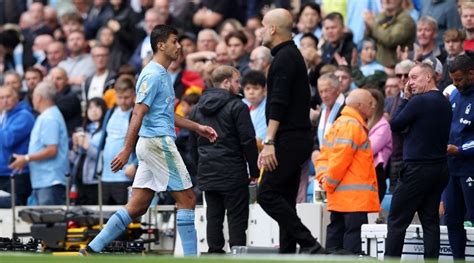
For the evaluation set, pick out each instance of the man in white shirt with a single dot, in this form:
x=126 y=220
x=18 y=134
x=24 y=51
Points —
x=95 y=85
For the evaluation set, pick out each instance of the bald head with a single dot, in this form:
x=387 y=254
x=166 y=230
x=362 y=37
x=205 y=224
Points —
x=277 y=26
x=59 y=77
x=281 y=18
x=362 y=101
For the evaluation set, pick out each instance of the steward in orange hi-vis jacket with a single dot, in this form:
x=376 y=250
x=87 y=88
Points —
x=346 y=171
x=345 y=166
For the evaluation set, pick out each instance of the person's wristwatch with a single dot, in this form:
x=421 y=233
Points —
x=268 y=141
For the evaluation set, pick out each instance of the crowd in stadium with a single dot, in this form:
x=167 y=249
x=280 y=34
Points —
x=92 y=52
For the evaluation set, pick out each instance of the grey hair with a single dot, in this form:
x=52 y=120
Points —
x=331 y=77
x=46 y=90
x=430 y=21
x=264 y=53
x=405 y=64
x=214 y=34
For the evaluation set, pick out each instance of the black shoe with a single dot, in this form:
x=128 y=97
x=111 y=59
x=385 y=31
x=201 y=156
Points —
x=316 y=249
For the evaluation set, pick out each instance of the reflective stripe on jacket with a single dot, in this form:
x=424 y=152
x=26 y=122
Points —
x=346 y=164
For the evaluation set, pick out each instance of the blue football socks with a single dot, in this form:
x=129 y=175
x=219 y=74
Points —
x=114 y=228
x=187 y=231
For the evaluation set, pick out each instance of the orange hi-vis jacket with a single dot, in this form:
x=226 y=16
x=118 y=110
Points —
x=345 y=166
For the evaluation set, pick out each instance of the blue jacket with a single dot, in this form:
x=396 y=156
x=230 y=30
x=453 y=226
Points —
x=462 y=133
x=15 y=136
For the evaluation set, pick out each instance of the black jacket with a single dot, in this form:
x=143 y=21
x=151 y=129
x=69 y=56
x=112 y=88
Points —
x=70 y=107
x=222 y=165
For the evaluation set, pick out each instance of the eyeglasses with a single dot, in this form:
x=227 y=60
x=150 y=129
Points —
x=402 y=75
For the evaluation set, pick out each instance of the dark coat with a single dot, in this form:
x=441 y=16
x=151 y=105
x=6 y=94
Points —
x=222 y=165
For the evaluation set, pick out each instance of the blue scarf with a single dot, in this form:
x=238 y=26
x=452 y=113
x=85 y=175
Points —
x=325 y=125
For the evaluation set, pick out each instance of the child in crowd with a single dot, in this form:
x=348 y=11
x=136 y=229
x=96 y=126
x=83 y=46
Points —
x=255 y=94
x=86 y=142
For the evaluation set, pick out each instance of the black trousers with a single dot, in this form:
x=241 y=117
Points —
x=418 y=190
x=381 y=182
x=88 y=194
x=22 y=187
x=278 y=190
x=236 y=204
x=115 y=193
x=343 y=232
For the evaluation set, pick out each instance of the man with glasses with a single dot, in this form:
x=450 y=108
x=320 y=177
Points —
x=95 y=85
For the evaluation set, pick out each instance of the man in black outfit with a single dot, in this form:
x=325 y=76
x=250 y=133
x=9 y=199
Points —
x=288 y=142
x=426 y=116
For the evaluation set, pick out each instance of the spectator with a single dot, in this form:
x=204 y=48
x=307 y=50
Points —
x=212 y=12
x=14 y=138
x=336 y=42
x=85 y=145
x=343 y=73
x=47 y=151
x=425 y=45
x=95 y=86
x=309 y=19
x=11 y=11
x=260 y=59
x=467 y=19
x=17 y=53
x=308 y=40
x=459 y=195
x=188 y=43
x=380 y=137
x=79 y=65
x=55 y=53
x=354 y=21
x=143 y=50
x=239 y=58
x=124 y=24
x=454 y=45
x=118 y=55
x=391 y=105
x=222 y=166
x=33 y=77
x=251 y=40
x=445 y=13
x=38 y=26
x=255 y=97
x=333 y=102
x=222 y=56
x=40 y=44
x=346 y=171
x=425 y=172
x=99 y=13
x=368 y=54
x=163 y=6
x=66 y=100
x=390 y=29
x=51 y=18
x=13 y=80
x=392 y=87
x=207 y=40
x=70 y=22
x=228 y=26
x=115 y=126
